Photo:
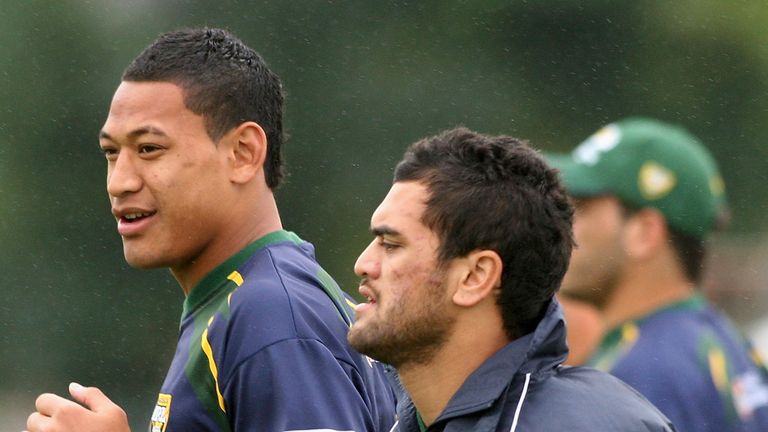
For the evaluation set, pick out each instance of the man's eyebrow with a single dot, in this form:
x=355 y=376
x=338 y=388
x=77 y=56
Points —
x=384 y=230
x=136 y=133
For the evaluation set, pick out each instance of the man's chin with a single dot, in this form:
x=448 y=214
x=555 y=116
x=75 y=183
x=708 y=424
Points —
x=593 y=296
x=361 y=339
x=355 y=336
x=142 y=261
x=572 y=289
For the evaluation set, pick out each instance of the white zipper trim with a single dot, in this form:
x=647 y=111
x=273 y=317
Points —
x=394 y=426
x=520 y=402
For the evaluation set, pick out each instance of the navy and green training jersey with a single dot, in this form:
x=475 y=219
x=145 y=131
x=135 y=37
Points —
x=263 y=348
x=689 y=361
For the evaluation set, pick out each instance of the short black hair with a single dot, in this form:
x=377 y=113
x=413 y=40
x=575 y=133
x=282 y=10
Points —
x=497 y=193
x=223 y=80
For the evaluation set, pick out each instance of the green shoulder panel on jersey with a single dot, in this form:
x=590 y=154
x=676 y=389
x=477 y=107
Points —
x=713 y=359
x=201 y=368
x=332 y=289
x=614 y=345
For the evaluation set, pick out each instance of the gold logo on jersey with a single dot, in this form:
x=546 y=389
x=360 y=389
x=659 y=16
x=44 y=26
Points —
x=161 y=414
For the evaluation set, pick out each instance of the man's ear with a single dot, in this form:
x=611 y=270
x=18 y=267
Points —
x=646 y=233
x=248 y=151
x=479 y=276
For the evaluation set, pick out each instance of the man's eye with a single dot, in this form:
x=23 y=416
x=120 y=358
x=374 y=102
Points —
x=389 y=246
x=148 y=148
x=109 y=153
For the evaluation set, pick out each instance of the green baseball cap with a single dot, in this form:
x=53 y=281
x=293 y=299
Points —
x=647 y=163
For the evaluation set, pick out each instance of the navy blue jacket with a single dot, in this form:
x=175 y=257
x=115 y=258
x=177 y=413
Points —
x=524 y=388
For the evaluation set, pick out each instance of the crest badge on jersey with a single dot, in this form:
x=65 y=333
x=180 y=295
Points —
x=750 y=393
x=161 y=414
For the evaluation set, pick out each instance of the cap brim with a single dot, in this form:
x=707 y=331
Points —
x=579 y=179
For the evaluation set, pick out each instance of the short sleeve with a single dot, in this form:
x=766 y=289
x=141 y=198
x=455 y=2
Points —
x=295 y=385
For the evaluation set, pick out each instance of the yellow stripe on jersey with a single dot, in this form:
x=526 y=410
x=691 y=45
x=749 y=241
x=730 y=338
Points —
x=350 y=303
x=757 y=358
x=717 y=368
x=629 y=333
x=212 y=364
x=236 y=277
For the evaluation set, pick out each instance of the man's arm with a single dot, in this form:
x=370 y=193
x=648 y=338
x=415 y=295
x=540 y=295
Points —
x=96 y=414
x=297 y=384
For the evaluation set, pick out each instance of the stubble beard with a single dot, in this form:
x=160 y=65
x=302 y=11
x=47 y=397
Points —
x=411 y=334
x=596 y=291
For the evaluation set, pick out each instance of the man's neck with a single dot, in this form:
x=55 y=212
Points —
x=644 y=290
x=243 y=228
x=432 y=385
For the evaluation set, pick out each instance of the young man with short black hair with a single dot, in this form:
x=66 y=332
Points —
x=470 y=246
x=192 y=143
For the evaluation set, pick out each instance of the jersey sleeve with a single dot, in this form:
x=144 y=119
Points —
x=295 y=385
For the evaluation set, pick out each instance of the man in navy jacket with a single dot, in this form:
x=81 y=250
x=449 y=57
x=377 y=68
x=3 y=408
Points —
x=470 y=245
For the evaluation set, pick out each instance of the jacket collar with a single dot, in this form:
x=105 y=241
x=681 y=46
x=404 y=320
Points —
x=537 y=353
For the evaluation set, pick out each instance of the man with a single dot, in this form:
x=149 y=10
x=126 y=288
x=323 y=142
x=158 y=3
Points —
x=192 y=143
x=471 y=243
x=647 y=193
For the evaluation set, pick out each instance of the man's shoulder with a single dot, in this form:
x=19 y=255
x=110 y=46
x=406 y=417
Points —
x=275 y=274
x=283 y=293
x=586 y=380
x=677 y=345
x=588 y=399
x=674 y=324
x=661 y=341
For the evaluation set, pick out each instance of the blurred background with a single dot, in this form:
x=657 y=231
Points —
x=363 y=80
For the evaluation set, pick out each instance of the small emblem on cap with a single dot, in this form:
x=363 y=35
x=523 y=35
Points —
x=655 y=181
x=717 y=185
x=591 y=150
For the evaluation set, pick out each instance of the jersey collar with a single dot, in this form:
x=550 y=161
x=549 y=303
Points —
x=212 y=281
x=619 y=333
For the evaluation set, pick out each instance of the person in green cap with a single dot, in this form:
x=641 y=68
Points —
x=647 y=194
